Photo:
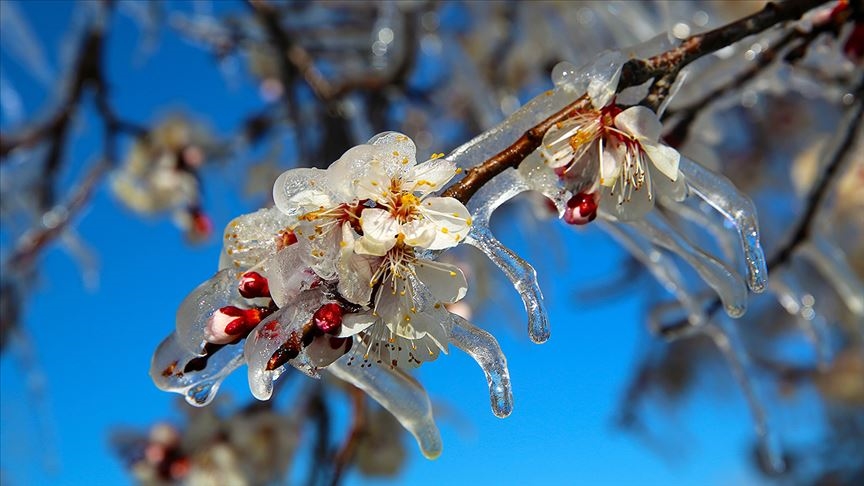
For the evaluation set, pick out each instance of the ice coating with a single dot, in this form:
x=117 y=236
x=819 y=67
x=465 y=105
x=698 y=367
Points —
x=284 y=325
x=791 y=295
x=521 y=274
x=484 y=348
x=729 y=287
x=719 y=192
x=293 y=184
x=725 y=239
x=662 y=268
x=726 y=339
x=288 y=275
x=251 y=238
x=401 y=395
x=199 y=383
x=197 y=308
x=832 y=264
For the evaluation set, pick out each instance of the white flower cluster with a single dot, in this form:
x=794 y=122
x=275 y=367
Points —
x=341 y=276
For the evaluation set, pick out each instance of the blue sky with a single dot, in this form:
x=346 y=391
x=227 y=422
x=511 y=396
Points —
x=93 y=346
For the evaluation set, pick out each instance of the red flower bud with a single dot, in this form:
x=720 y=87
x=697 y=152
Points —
x=253 y=285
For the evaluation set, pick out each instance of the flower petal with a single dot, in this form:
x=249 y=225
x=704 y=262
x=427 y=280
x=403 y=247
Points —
x=356 y=323
x=451 y=220
x=429 y=176
x=610 y=162
x=446 y=282
x=665 y=158
x=418 y=232
x=251 y=238
x=640 y=122
x=380 y=230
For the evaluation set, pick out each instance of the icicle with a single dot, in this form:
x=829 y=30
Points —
x=175 y=369
x=726 y=339
x=197 y=308
x=521 y=274
x=787 y=287
x=663 y=268
x=729 y=287
x=483 y=347
x=716 y=229
x=720 y=193
x=400 y=394
x=832 y=263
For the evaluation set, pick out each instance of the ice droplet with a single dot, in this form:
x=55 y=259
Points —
x=174 y=369
x=400 y=394
x=485 y=350
x=720 y=193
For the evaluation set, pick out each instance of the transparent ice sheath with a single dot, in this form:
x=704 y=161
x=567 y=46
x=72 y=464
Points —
x=485 y=350
x=400 y=394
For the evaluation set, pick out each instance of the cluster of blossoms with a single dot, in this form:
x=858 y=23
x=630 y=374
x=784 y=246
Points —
x=340 y=276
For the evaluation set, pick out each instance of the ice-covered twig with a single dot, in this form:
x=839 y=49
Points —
x=634 y=72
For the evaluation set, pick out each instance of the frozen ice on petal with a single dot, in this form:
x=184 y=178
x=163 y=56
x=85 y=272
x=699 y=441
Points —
x=356 y=323
x=602 y=77
x=288 y=275
x=719 y=192
x=429 y=176
x=198 y=307
x=197 y=378
x=521 y=274
x=394 y=149
x=400 y=394
x=299 y=191
x=251 y=238
x=484 y=348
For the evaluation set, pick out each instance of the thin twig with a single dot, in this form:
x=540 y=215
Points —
x=345 y=455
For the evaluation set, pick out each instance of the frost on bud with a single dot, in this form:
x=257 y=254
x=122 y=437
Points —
x=581 y=208
x=229 y=322
x=253 y=285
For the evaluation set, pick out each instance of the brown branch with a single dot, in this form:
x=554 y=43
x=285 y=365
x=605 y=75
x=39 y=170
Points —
x=345 y=454
x=637 y=71
x=800 y=39
x=634 y=72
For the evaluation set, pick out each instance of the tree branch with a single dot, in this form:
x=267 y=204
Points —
x=633 y=73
